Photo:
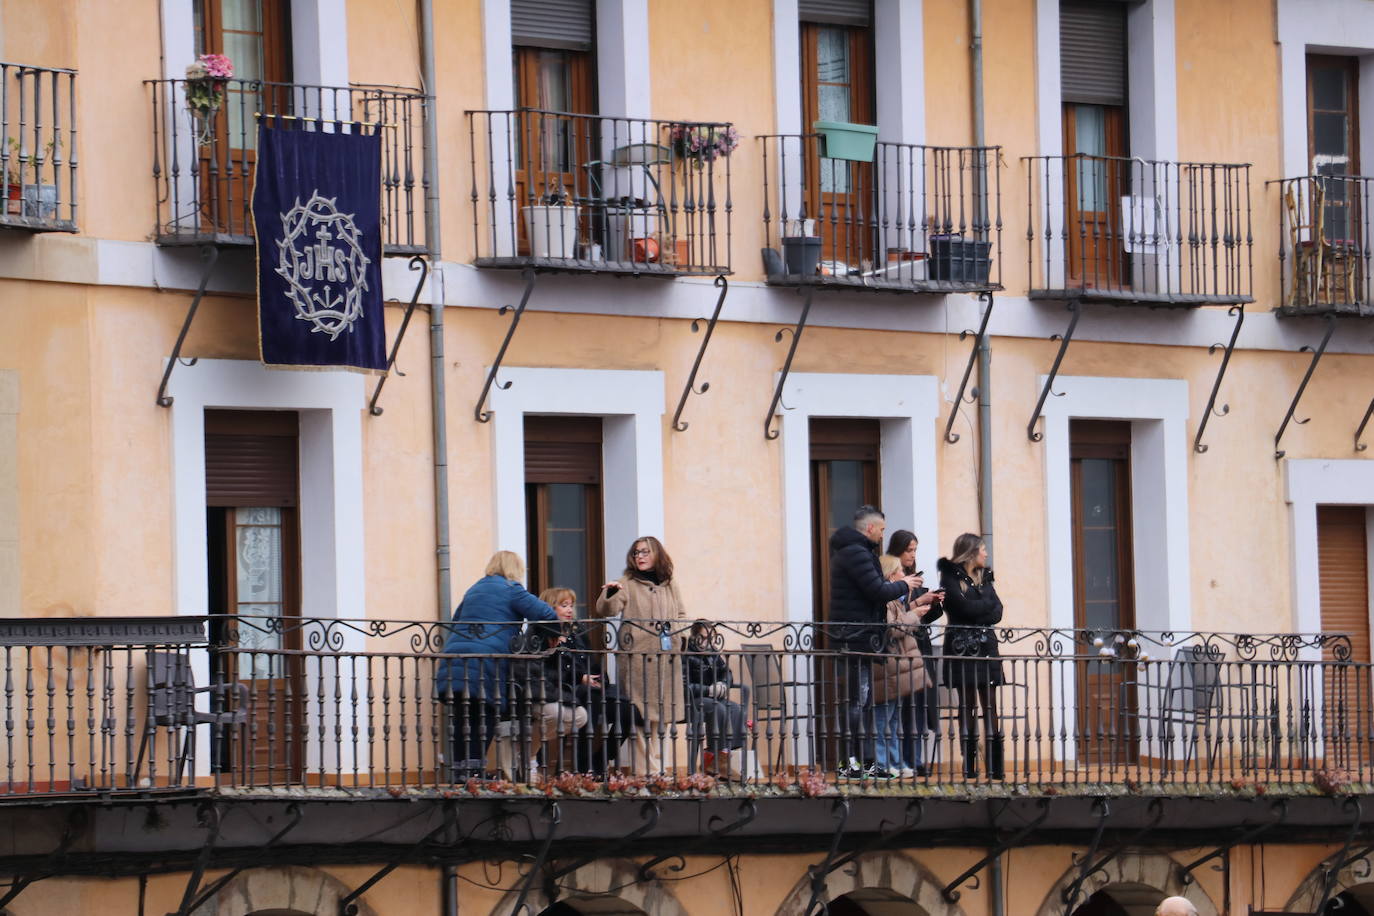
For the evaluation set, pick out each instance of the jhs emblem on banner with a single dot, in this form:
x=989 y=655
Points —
x=317 y=212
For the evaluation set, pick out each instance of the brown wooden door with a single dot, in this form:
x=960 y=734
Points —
x=1343 y=566
x=563 y=505
x=1094 y=184
x=1104 y=587
x=837 y=85
x=256 y=36
x=252 y=482
x=553 y=87
x=844 y=476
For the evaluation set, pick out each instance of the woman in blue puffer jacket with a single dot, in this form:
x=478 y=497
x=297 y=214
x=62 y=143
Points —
x=486 y=623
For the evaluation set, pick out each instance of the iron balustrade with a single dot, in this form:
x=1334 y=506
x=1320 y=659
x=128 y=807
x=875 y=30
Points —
x=1132 y=230
x=915 y=218
x=356 y=704
x=38 y=158
x=561 y=191
x=204 y=158
x=1324 y=244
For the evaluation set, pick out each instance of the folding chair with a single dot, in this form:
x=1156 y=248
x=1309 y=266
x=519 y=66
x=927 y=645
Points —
x=172 y=705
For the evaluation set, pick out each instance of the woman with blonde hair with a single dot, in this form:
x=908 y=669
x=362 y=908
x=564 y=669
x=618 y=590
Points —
x=650 y=672
x=474 y=684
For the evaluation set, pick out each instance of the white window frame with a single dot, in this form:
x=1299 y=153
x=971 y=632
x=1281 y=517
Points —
x=630 y=404
x=909 y=408
x=1309 y=483
x=333 y=559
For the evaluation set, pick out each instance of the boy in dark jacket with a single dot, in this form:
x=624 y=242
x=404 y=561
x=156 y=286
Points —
x=858 y=620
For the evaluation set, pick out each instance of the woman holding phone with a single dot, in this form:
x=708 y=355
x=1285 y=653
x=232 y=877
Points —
x=970 y=648
x=920 y=711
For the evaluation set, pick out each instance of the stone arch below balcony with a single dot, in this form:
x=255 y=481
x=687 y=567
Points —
x=280 y=891
x=880 y=883
x=1355 y=881
x=607 y=887
x=1131 y=872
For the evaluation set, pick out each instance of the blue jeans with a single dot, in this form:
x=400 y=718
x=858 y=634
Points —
x=892 y=728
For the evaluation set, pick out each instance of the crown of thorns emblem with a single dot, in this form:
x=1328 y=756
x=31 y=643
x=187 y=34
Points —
x=320 y=256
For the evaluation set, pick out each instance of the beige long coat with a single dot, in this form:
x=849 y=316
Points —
x=903 y=672
x=646 y=675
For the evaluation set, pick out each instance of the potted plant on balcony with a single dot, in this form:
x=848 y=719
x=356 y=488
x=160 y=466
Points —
x=632 y=230
x=29 y=198
x=206 y=79
x=551 y=225
x=842 y=140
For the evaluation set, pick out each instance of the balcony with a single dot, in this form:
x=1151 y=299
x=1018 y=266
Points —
x=203 y=164
x=101 y=707
x=38 y=158
x=1324 y=245
x=584 y=193
x=924 y=219
x=1133 y=231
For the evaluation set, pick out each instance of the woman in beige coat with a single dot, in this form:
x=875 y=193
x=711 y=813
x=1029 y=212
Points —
x=900 y=675
x=648 y=667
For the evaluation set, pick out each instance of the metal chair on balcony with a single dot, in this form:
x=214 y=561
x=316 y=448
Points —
x=771 y=686
x=620 y=220
x=1307 y=239
x=172 y=696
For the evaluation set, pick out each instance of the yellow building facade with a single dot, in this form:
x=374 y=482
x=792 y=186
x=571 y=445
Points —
x=1147 y=216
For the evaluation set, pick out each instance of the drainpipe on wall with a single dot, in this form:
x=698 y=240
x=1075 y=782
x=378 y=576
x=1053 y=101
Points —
x=985 y=347
x=438 y=390
x=984 y=368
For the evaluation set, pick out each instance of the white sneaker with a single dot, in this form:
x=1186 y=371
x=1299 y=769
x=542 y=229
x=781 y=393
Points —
x=906 y=773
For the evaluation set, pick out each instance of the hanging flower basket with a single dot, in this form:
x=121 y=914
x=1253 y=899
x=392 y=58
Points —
x=700 y=144
x=205 y=83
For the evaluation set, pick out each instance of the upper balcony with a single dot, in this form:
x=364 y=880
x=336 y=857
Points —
x=38 y=156
x=205 y=156
x=572 y=192
x=1324 y=245
x=1134 y=231
x=903 y=218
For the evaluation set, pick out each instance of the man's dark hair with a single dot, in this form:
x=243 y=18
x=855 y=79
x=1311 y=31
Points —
x=865 y=514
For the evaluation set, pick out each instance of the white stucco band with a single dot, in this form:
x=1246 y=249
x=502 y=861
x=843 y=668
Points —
x=908 y=406
x=1158 y=412
x=630 y=404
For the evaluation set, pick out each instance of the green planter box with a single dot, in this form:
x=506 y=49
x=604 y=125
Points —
x=854 y=142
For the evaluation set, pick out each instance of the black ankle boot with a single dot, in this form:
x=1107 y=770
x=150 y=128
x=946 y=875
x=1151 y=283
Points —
x=970 y=758
x=996 y=763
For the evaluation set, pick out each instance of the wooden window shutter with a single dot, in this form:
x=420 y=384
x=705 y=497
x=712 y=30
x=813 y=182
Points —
x=1342 y=563
x=836 y=12
x=251 y=458
x=563 y=450
x=566 y=24
x=1092 y=53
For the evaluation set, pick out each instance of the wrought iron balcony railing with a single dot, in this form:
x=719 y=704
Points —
x=559 y=191
x=1138 y=231
x=205 y=155
x=913 y=218
x=1324 y=244
x=96 y=707
x=38 y=158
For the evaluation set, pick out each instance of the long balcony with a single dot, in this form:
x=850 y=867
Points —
x=204 y=159
x=99 y=707
x=1324 y=245
x=588 y=193
x=1135 y=231
x=38 y=158
x=923 y=219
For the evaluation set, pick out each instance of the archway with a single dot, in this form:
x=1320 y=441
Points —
x=609 y=887
x=1353 y=888
x=286 y=891
x=1127 y=883
x=877 y=884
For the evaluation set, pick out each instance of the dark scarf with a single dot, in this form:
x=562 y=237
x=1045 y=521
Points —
x=647 y=575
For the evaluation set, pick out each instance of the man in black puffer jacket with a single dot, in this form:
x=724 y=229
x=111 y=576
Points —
x=858 y=621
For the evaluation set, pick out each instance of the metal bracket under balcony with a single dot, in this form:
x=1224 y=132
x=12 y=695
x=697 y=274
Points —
x=907 y=219
x=1129 y=231
x=38 y=155
x=554 y=191
x=203 y=160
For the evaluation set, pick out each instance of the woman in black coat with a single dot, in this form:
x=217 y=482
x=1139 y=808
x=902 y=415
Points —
x=970 y=649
